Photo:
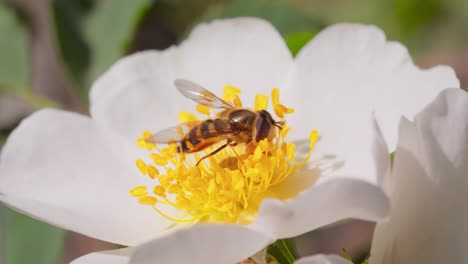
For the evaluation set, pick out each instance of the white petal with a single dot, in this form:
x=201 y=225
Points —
x=343 y=75
x=246 y=52
x=443 y=127
x=137 y=93
x=118 y=256
x=64 y=169
x=429 y=209
x=323 y=259
x=381 y=158
x=321 y=205
x=202 y=244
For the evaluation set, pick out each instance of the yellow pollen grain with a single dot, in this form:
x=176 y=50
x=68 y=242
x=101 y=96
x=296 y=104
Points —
x=138 y=191
x=227 y=187
x=261 y=102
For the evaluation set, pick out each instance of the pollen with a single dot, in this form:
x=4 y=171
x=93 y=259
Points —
x=227 y=187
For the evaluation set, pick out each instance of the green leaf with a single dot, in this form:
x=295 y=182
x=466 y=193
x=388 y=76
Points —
x=284 y=17
x=14 y=63
x=282 y=251
x=29 y=241
x=414 y=14
x=3 y=137
x=297 y=40
x=110 y=30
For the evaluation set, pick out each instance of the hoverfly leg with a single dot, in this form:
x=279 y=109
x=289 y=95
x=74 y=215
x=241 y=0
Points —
x=233 y=144
x=214 y=152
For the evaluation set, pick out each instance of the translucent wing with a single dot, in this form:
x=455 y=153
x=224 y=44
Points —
x=172 y=134
x=199 y=94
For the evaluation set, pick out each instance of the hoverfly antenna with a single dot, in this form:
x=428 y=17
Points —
x=279 y=124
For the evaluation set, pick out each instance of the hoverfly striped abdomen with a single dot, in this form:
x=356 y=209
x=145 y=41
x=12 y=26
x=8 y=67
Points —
x=205 y=134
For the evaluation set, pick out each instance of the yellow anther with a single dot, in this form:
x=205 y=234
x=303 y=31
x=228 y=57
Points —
x=261 y=102
x=313 y=136
x=159 y=191
x=148 y=200
x=185 y=117
x=203 y=109
x=152 y=172
x=158 y=159
x=230 y=92
x=138 y=191
x=237 y=101
x=145 y=141
x=141 y=165
x=280 y=110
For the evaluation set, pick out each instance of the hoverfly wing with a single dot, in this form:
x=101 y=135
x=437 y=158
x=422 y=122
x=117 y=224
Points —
x=173 y=134
x=200 y=95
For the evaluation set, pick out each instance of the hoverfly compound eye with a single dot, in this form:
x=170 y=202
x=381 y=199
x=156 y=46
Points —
x=263 y=125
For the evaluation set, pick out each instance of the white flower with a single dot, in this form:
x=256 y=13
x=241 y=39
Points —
x=75 y=172
x=427 y=187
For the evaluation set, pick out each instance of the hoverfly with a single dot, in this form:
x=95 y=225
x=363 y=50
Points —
x=233 y=125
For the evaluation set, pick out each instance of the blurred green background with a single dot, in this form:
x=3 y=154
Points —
x=50 y=51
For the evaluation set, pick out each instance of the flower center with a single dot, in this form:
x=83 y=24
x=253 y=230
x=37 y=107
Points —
x=227 y=186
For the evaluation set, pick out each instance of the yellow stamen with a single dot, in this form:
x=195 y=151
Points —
x=147 y=200
x=279 y=109
x=138 y=191
x=185 y=117
x=142 y=166
x=261 y=102
x=227 y=187
x=146 y=141
x=230 y=93
x=152 y=172
x=203 y=109
x=159 y=190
